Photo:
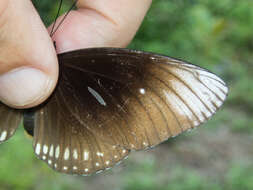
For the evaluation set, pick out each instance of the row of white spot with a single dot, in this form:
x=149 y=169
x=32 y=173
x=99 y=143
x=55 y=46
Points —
x=66 y=155
x=56 y=154
x=3 y=136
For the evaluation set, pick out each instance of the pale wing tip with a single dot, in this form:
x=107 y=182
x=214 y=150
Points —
x=215 y=84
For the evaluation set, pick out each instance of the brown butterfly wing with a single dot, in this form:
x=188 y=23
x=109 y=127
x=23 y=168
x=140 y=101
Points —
x=9 y=122
x=109 y=101
x=69 y=147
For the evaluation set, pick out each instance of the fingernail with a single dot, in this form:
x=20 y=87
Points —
x=24 y=86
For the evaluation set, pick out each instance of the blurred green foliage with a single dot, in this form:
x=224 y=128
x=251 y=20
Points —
x=214 y=34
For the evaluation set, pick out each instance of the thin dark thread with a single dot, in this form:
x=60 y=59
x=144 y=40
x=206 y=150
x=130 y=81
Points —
x=73 y=5
x=58 y=12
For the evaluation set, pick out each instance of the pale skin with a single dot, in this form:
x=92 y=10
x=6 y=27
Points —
x=28 y=60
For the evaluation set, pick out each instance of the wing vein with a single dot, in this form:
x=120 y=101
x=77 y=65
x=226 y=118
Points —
x=194 y=93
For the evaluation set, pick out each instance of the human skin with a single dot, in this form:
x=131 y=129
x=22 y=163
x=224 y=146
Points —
x=28 y=60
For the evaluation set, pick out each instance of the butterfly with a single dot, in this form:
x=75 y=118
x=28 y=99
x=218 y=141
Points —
x=110 y=101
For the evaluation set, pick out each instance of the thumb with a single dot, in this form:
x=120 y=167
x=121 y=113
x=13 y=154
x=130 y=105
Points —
x=28 y=62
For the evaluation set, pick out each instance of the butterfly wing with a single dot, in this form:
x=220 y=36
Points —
x=109 y=101
x=71 y=148
x=9 y=122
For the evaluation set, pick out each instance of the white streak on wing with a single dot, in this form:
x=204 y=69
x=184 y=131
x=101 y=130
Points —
x=179 y=106
x=66 y=154
x=3 y=136
x=174 y=102
x=51 y=151
x=45 y=149
x=57 y=152
x=171 y=99
x=37 y=148
x=97 y=96
x=86 y=155
x=190 y=99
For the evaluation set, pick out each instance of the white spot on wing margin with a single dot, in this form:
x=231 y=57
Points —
x=3 y=136
x=37 y=148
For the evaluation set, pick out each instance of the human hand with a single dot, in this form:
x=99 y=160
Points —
x=28 y=61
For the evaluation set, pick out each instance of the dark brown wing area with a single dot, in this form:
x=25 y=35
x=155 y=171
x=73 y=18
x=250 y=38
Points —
x=109 y=101
x=9 y=122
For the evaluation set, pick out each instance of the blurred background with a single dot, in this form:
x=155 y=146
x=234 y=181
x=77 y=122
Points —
x=214 y=34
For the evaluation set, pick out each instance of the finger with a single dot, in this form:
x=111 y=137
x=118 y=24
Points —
x=99 y=23
x=28 y=63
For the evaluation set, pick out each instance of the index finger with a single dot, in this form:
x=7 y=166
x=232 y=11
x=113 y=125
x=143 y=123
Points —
x=99 y=23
